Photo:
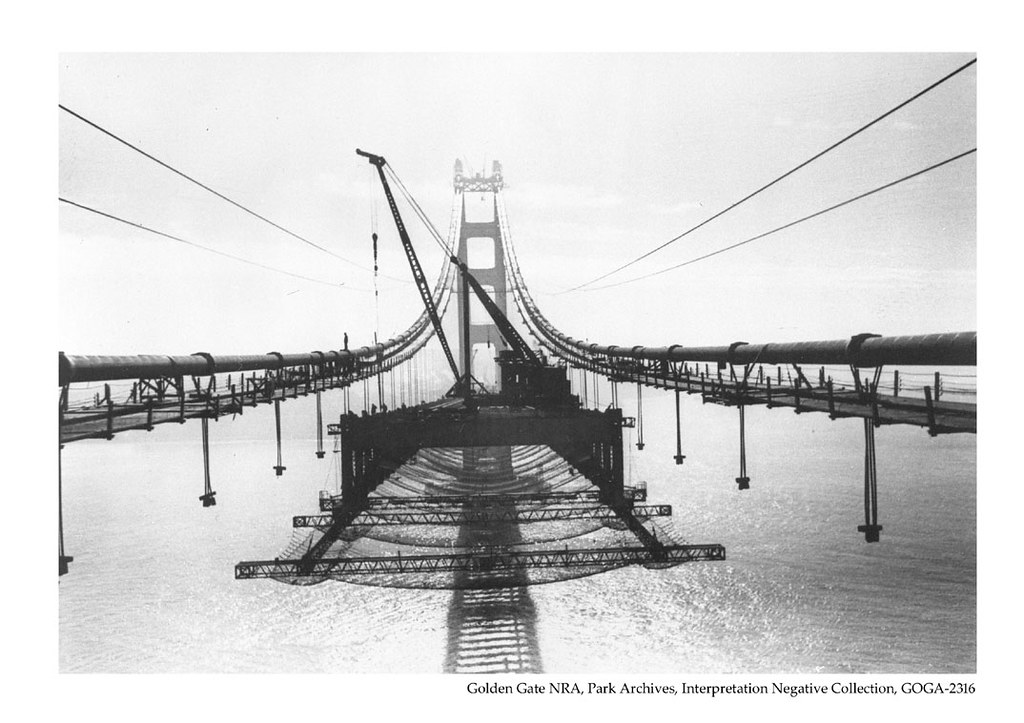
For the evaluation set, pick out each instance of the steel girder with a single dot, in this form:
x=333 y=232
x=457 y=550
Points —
x=475 y=515
x=479 y=561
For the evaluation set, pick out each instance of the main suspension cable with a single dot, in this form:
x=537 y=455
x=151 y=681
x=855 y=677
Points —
x=788 y=225
x=772 y=183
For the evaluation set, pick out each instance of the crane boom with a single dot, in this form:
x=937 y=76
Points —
x=512 y=337
x=414 y=263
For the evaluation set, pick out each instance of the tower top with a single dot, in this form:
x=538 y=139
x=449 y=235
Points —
x=478 y=182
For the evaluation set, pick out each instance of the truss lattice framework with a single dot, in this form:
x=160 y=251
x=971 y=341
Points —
x=479 y=561
x=471 y=516
x=329 y=501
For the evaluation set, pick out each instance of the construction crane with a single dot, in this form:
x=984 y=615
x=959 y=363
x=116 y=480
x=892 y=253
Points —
x=414 y=263
x=514 y=340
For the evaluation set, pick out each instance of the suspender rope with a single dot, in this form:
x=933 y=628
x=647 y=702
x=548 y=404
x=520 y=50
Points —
x=870 y=528
x=380 y=377
x=279 y=468
x=743 y=481
x=679 y=434
x=207 y=498
x=319 y=427
x=639 y=416
x=62 y=559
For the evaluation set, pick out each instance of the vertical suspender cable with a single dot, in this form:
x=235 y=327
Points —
x=867 y=471
x=743 y=481
x=208 y=497
x=679 y=433
x=279 y=468
x=319 y=427
x=62 y=559
x=870 y=528
x=380 y=376
x=62 y=565
x=639 y=416
x=874 y=480
x=414 y=379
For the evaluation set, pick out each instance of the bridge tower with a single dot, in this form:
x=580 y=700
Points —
x=481 y=249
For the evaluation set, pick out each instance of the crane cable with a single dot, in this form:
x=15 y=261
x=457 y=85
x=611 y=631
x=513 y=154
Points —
x=772 y=183
x=435 y=234
x=373 y=236
x=376 y=289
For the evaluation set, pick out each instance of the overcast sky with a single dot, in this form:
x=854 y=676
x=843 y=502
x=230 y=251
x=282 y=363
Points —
x=606 y=156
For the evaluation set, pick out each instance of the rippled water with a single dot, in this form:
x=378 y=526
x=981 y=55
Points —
x=151 y=588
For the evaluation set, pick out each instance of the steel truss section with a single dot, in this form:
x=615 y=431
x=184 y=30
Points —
x=482 y=515
x=479 y=561
x=329 y=501
x=730 y=389
x=160 y=395
x=864 y=403
x=678 y=368
x=160 y=401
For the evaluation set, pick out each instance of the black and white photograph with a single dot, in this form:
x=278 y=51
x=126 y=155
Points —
x=526 y=374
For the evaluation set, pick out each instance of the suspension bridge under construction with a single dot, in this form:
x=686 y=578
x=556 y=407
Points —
x=518 y=480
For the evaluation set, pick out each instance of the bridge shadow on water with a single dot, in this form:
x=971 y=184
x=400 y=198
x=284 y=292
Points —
x=492 y=631
x=492 y=622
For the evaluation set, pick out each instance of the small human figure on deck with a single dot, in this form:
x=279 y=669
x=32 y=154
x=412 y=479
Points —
x=346 y=341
